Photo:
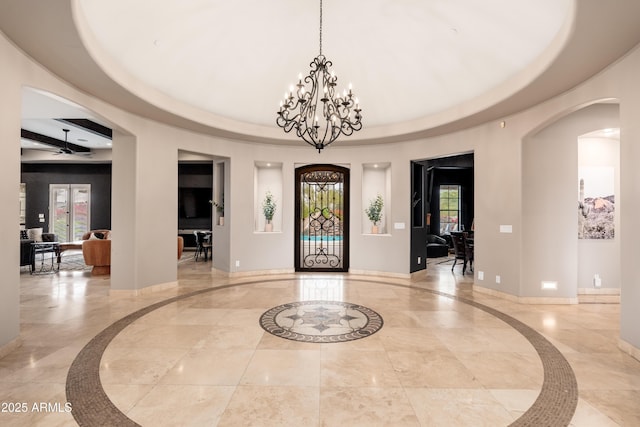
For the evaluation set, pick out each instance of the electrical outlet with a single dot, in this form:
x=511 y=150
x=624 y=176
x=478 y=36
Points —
x=480 y=275
x=597 y=281
x=497 y=279
x=419 y=260
x=237 y=263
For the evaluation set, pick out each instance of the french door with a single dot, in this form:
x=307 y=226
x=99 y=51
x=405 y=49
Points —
x=69 y=215
x=322 y=218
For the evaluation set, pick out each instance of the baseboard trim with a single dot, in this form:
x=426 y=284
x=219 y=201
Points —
x=525 y=300
x=10 y=346
x=629 y=348
x=241 y=274
x=380 y=274
x=365 y=273
x=494 y=293
x=599 y=295
x=547 y=301
x=143 y=291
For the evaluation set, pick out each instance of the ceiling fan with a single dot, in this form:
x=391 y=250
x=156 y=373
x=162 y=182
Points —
x=68 y=151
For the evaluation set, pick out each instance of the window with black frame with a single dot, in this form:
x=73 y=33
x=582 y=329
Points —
x=449 y=208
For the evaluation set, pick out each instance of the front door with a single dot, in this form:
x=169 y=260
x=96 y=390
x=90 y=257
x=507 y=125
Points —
x=322 y=218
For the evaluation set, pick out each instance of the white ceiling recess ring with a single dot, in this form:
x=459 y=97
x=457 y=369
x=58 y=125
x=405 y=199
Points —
x=414 y=64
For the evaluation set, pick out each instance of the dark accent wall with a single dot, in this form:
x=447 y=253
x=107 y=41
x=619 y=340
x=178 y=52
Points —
x=453 y=170
x=38 y=176
x=418 y=216
x=447 y=176
x=194 y=180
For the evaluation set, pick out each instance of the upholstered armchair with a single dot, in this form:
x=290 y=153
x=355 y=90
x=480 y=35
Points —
x=180 y=246
x=96 y=250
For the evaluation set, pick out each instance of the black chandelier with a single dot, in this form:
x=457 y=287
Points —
x=317 y=114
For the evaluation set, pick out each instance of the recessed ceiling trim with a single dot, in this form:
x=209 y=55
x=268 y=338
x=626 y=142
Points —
x=179 y=98
x=32 y=136
x=90 y=126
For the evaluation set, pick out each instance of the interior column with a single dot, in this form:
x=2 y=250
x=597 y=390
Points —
x=144 y=211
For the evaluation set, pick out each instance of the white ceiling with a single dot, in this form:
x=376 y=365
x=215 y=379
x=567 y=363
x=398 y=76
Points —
x=406 y=59
x=420 y=68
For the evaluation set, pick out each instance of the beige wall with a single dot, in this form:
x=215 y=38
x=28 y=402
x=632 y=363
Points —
x=626 y=76
x=145 y=192
x=10 y=166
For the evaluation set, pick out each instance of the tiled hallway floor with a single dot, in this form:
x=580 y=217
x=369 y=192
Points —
x=202 y=358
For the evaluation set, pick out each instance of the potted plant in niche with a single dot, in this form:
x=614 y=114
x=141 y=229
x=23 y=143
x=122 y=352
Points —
x=220 y=209
x=374 y=212
x=268 y=209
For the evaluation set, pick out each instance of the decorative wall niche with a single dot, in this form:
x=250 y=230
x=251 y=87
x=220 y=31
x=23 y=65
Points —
x=376 y=181
x=267 y=181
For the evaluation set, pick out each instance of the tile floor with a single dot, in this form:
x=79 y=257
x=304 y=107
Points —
x=200 y=357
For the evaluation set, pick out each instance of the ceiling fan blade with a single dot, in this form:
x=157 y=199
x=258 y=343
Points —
x=53 y=150
x=46 y=150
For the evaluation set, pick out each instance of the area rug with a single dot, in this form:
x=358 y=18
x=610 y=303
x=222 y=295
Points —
x=73 y=262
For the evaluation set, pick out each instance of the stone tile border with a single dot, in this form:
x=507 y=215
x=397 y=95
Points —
x=554 y=406
x=558 y=396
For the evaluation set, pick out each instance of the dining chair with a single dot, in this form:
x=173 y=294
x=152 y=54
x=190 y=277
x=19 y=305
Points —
x=463 y=250
x=203 y=245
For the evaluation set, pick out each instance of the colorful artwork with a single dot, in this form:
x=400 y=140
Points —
x=596 y=203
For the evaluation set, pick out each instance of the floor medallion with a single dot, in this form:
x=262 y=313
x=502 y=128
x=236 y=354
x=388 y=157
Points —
x=321 y=321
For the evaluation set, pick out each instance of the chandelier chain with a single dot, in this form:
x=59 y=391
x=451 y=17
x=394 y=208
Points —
x=315 y=110
x=320 y=27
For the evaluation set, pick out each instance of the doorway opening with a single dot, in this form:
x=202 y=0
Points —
x=442 y=202
x=322 y=218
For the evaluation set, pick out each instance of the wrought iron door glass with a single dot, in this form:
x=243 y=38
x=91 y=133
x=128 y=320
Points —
x=322 y=222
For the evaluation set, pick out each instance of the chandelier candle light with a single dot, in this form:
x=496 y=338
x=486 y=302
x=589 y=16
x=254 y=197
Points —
x=313 y=108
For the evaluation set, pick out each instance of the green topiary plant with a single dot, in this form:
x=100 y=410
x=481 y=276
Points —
x=374 y=211
x=269 y=206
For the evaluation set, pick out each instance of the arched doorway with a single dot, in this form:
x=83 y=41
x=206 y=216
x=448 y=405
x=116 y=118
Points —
x=322 y=218
x=550 y=203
